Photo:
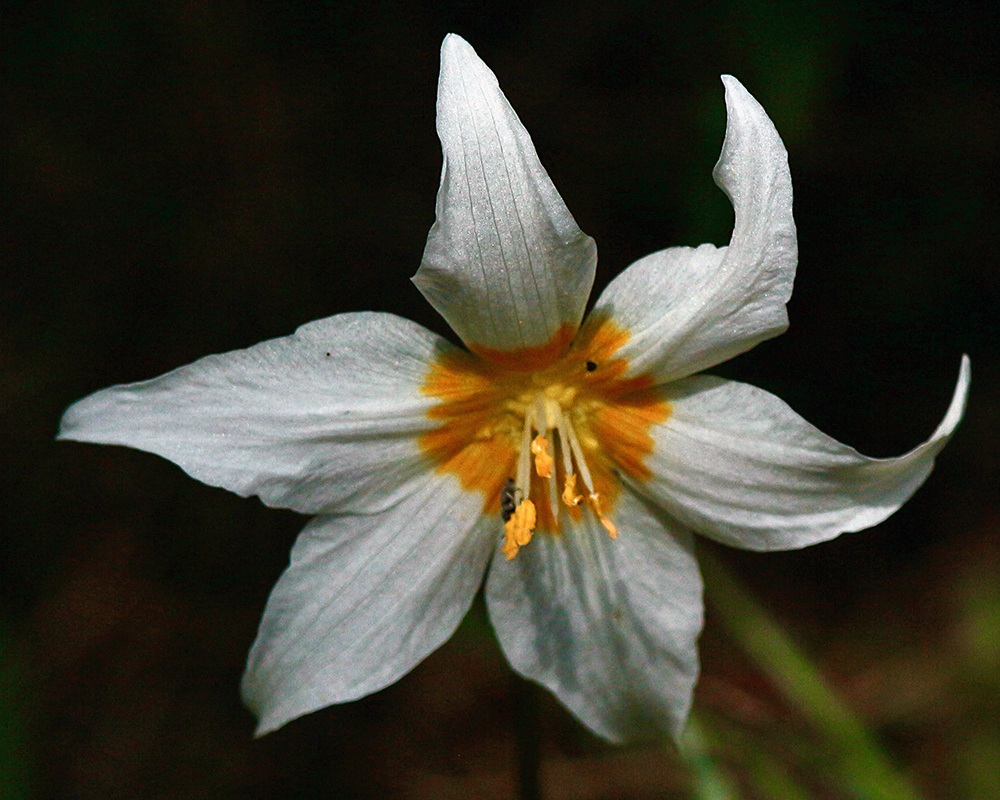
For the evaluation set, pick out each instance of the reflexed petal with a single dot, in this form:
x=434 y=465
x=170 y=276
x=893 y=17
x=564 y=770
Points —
x=688 y=309
x=608 y=625
x=327 y=417
x=738 y=465
x=505 y=263
x=365 y=599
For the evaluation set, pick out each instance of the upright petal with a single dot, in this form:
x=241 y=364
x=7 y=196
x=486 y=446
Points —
x=365 y=599
x=505 y=263
x=738 y=465
x=609 y=626
x=688 y=309
x=326 y=418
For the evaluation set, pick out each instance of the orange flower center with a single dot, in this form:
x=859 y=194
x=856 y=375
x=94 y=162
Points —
x=544 y=433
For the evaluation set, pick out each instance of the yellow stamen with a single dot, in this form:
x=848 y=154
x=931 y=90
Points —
x=518 y=528
x=569 y=495
x=544 y=423
x=609 y=526
x=543 y=461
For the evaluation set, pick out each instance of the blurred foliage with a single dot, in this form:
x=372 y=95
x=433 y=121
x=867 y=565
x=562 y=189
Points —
x=182 y=178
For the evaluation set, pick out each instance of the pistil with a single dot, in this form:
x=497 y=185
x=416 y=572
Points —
x=558 y=425
x=548 y=440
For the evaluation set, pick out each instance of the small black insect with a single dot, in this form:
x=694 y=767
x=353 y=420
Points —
x=591 y=366
x=507 y=501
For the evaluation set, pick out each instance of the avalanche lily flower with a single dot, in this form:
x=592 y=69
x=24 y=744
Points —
x=570 y=463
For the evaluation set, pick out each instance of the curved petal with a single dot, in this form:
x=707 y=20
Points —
x=738 y=465
x=365 y=599
x=326 y=418
x=505 y=263
x=688 y=309
x=608 y=625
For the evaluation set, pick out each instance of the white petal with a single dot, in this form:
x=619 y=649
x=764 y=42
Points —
x=608 y=625
x=365 y=599
x=688 y=309
x=737 y=464
x=505 y=263
x=326 y=418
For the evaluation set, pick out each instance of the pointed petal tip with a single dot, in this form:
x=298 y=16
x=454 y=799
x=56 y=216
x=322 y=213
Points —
x=453 y=42
x=82 y=421
x=62 y=434
x=268 y=720
x=737 y=97
x=965 y=369
x=733 y=86
x=956 y=409
x=260 y=702
x=73 y=425
x=455 y=49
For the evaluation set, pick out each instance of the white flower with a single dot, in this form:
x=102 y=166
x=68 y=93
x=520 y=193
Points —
x=596 y=443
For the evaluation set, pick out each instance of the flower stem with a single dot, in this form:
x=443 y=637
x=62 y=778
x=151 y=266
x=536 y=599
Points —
x=528 y=741
x=866 y=771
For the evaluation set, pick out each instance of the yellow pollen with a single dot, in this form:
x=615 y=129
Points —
x=518 y=528
x=569 y=495
x=609 y=526
x=544 y=433
x=543 y=461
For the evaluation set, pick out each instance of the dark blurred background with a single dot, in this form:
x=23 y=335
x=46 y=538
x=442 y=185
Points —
x=183 y=178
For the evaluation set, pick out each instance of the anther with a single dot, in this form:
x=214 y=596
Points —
x=569 y=495
x=543 y=461
x=609 y=526
x=518 y=528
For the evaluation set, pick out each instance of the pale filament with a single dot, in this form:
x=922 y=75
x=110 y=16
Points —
x=554 y=439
